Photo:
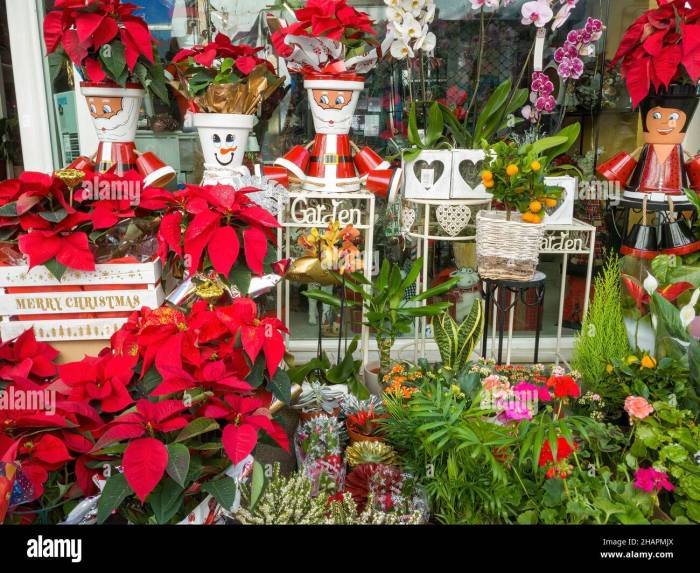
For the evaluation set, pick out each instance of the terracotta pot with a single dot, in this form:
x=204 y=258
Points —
x=357 y=437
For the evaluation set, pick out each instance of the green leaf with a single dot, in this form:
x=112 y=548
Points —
x=9 y=210
x=527 y=517
x=115 y=491
x=438 y=290
x=492 y=108
x=413 y=135
x=178 y=463
x=54 y=216
x=554 y=492
x=197 y=427
x=542 y=145
x=436 y=125
x=281 y=386
x=322 y=296
x=55 y=268
x=257 y=484
x=165 y=500
x=240 y=277
x=223 y=490
x=115 y=64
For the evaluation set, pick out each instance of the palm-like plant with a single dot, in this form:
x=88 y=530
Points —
x=387 y=309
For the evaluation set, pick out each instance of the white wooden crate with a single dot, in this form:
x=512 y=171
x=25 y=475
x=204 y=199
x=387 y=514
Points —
x=136 y=273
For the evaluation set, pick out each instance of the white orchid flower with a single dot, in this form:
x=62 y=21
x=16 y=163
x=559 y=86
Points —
x=651 y=285
x=394 y=15
x=393 y=3
x=537 y=12
x=426 y=41
x=429 y=15
x=688 y=311
x=409 y=27
x=400 y=49
x=412 y=5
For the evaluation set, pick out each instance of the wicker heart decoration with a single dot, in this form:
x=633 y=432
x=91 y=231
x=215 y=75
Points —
x=436 y=165
x=408 y=217
x=453 y=218
x=470 y=171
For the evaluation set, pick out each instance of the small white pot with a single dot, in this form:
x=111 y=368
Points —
x=224 y=137
x=114 y=110
x=371 y=378
x=467 y=166
x=428 y=176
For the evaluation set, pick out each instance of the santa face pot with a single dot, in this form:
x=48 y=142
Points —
x=114 y=110
x=223 y=137
x=333 y=100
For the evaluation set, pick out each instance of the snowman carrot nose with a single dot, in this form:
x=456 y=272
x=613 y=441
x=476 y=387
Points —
x=227 y=150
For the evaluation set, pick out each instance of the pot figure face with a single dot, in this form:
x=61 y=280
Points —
x=665 y=125
x=223 y=138
x=114 y=110
x=333 y=102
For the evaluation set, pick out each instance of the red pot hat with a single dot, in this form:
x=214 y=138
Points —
x=618 y=168
x=384 y=183
x=367 y=160
x=155 y=173
x=296 y=161
x=274 y=173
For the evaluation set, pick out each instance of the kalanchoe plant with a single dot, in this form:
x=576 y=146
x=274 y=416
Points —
x=222 y=77
x=661 y=47
x=106 y=41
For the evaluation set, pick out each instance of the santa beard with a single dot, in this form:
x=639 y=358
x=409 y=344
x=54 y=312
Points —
x=342 y=118
x=119 y=127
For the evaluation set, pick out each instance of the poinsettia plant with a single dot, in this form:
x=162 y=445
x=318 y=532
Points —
x=222 y=77
x=44 y=222
x=661 y=47
x=156 y=418
x=106 y=41
x=215 y=228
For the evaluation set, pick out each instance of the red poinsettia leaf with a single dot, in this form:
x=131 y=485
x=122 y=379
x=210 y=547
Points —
x=637 y=77
x=131 y=51
x=138 y=30
x=691 y=37
x=666 y=64
x=654 y=44
x=94 y=70
x=25 y=202
x=259 y=217
x=51 y=450
x=197 y=235
x=76 y=442
x=53 y=30
x=223 y=249
x=75 y=252
x=272 y=428
x=170 y=232
x=246 y=64
x=39 y=246
x=118 y=399
x=273 y=348
x=205 y=57
x=76 y=51
x=239 y=441
x=83 y=475
x=118 y=432
x=86 y=23
x=255 y=247
x=691 y=63
x=253 y=340
x=105 y=33
x=145 y=461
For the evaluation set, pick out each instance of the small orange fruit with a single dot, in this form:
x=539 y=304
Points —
x=512 y=169
x=487 y=175
x=489 y=183
x=535 y=206
x=535 y=166
x=550 y=202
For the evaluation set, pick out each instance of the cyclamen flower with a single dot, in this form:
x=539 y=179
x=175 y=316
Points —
x=652 y=481
x=537 y=12
x=638 y=407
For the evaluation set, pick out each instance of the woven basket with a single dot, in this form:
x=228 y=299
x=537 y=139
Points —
x=507 y=250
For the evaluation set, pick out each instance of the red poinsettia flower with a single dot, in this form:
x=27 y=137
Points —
x=564 y=450
x=247 y=415
x=257 y=335
x=104 y=378
x=659 y=47
x=23 y=357
x=244 y=56
x=564 y=386
x=110 y=197
x=45 y=450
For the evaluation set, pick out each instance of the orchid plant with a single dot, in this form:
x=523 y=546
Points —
x=106 y=41
x=408 y=26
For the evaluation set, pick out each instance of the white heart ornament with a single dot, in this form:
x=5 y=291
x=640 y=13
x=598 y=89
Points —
x=408 y=218
x=453 y=218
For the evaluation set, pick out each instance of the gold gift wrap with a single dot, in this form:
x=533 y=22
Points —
x=309 y=269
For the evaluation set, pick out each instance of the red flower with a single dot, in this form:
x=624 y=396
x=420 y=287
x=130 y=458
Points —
x=564 y=386
x=564 y=450
x=244 y=56
x=25 y=357
x=247 y=415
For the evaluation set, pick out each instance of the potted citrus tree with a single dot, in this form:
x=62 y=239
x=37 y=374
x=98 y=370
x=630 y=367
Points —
x=508 y=241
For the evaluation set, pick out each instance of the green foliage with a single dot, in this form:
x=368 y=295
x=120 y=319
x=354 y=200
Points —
x=456 y=342
x=603 y=335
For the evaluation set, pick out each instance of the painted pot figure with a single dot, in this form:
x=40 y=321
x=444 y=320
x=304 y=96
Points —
x=662 y=170
x=115 y=112
x=331 y=162
x=223 y=137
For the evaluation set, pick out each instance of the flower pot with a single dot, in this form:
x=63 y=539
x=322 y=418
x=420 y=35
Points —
x=429 y=176
x=507 y=250
x=467 y=165
x=332 y=99
x=371 y=378
x=357 y=437
x=224 y=138
x=114 y=109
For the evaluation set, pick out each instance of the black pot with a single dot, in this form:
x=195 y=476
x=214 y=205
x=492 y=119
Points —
x=677 y=238
x=641 y=242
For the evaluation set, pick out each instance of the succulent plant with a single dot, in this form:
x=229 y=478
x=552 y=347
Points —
x=319 y=397
x=352 y=405
x=371 y=453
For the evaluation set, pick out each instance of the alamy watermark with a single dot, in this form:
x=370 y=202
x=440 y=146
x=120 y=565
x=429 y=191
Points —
x=16 y=399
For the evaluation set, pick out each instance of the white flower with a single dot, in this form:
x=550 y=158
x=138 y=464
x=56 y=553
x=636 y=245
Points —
x=651 y=285
x=400 y=49
x=537 y=12
x=426 y=42
x=394 y=14
x=429 y=15
x=393 y=3
x=486 y=4
x=688 y=311
x=412 y=5
x=562 y=16
x=409 y=27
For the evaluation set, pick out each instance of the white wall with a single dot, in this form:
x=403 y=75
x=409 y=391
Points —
x=26 y=44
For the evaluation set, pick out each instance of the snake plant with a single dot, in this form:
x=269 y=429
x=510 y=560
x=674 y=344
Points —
x=456 y=342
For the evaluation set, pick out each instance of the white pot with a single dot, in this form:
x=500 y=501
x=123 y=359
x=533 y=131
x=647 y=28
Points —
x=428 y=176
x=114 y=110
x=224 y=137
x=563 y=213
x=467 y=166
x=371 y=378
x=333 y=115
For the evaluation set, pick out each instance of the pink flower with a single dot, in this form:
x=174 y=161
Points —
x=649 y=480
x=536 y=12
x=492 y=382
x=638 y=407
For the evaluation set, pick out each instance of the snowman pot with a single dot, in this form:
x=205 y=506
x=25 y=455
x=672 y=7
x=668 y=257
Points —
x=223 y=137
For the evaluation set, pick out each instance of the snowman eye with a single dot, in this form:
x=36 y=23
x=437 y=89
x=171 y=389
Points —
x=675 y=116
x=229 y=138
x=216 y=139
x=106 y=108
x=657 y=115
x=324 y=99
x=340 y=100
